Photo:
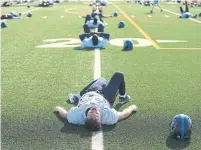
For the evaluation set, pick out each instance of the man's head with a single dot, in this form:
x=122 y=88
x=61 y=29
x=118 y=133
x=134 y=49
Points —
x=93 y=120
x=100 y=9
x=95 y=40
x=95 y=20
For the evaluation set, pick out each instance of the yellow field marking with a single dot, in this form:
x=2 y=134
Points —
x=186 y=48
x=69 y=10
x=138 y=27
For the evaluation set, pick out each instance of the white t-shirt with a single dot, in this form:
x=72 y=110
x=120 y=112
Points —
x=77 y=115
x=91 y=25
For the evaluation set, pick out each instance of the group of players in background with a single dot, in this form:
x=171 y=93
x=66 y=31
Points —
x=184 y=13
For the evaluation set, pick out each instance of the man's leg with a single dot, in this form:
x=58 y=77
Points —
x=186 y=5
x=159 y=7
x=181 y=10
x=82 y=36
x=115 y=86
x=88 y=18
x=86 y=28
x=95 y=85
x=152 y=8
x=105 y=35
x=100 y=28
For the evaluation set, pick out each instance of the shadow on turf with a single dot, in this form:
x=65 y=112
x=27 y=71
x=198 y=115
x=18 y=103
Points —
x=176 y=144
x=117 y=106
x=85 y=49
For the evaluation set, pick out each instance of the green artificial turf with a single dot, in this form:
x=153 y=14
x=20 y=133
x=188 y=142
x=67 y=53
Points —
x=161 y=82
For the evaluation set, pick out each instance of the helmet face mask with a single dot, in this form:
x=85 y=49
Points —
x=181 y=127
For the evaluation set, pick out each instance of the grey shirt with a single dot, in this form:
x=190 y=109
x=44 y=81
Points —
x=77 y=115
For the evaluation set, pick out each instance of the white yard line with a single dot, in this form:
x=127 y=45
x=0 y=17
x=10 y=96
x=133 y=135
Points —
x=195 y=20
x=31 y=10
x=97 y=137
x=97 y=141
x=97 y=64
x=179 y=14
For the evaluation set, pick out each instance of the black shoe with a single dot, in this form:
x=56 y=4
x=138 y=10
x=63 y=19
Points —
x=72 y=98
x=195 y=16
x=161 y=10
x=124 y=100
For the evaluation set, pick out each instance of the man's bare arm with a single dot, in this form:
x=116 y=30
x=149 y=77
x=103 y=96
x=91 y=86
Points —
x=62 y=112
x=127 y=112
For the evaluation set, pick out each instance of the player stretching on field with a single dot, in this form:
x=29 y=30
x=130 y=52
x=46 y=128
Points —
x=156 y=2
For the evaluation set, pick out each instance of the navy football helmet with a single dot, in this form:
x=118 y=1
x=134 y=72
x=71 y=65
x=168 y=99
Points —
x=128 y=45
x=181 y=127
x=121 y=24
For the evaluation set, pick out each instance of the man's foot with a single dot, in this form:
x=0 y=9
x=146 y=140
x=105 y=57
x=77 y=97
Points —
x=151 y=12
x=124 y=100
x=195 y=16
x=72 y=98
x=105 y=24
x=161 y=10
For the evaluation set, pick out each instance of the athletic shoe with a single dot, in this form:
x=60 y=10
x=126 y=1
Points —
x=72 y=98
x=105 y=24
x=124 y=100
x=195 y=16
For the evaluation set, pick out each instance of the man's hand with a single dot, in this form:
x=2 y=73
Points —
x=57 y=108
x=127 y=112
x=62 y=112
x=133 y=108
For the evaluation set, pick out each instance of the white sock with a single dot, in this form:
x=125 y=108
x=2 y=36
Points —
x=123 y=95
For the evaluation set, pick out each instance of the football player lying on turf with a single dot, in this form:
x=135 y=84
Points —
x=6 y=3
x=96 y=11
x=99 y=3
x=46 y=3
x=94 y=40
x=95 y=104
x=94 y=23
x=11 y=15
x=186 y=13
